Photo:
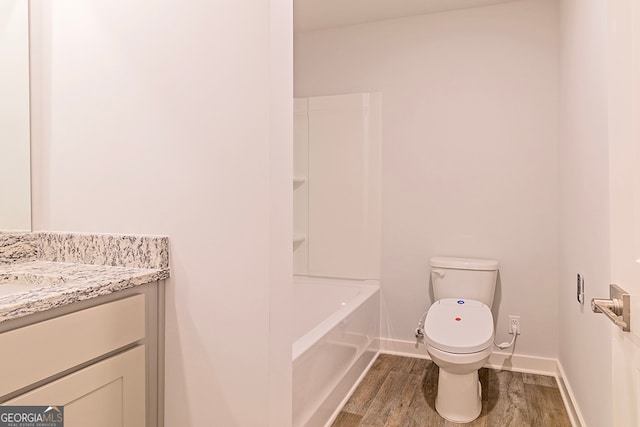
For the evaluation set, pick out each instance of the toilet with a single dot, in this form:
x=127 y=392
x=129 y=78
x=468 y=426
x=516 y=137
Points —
x=458 y=332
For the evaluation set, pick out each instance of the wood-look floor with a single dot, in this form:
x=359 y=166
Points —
x=401 y=391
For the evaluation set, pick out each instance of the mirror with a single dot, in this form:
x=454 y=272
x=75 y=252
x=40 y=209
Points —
x=15 y=181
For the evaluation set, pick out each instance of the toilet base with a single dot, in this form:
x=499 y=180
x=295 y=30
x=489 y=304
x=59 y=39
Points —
x=459 y=397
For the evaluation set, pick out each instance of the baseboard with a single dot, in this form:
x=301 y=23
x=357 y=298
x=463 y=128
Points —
x=403 y=348
x=568 y=397
x=522 y=363
x=498 y=360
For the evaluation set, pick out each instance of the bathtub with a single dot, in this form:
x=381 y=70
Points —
x=336 y=325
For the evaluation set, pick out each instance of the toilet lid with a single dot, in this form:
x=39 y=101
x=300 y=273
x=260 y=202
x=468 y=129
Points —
x=459 y=326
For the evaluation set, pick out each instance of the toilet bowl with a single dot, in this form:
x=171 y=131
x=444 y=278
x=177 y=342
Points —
x=459 y=337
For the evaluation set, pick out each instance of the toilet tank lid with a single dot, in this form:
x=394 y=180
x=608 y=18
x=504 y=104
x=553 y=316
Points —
x=464 y=263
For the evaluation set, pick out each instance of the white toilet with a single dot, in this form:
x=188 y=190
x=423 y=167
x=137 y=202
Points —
x=458 y=331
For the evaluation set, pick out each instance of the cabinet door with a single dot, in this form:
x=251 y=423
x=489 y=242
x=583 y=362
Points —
x=110 y=393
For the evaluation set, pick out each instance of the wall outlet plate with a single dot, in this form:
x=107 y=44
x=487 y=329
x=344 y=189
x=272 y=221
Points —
x=514 y=321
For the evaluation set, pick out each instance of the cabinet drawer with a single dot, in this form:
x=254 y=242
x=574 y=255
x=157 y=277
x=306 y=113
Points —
x=36 y=352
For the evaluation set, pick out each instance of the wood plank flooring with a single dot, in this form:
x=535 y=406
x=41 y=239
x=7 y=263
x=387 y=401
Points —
x=401 y=391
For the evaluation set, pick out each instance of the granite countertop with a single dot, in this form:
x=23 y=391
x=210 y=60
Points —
x=49 y=270
x=54 y=284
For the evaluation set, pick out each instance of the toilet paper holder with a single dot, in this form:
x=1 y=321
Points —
x=617 y=308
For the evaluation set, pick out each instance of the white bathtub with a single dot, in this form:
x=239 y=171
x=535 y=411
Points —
x=336 y=323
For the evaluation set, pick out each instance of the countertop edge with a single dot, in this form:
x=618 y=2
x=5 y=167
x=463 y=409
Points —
x=75 y=292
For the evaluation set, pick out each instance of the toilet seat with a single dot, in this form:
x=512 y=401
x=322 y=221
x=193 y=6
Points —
x=459 y=326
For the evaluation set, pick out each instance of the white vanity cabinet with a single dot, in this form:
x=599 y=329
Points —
x=99 y=359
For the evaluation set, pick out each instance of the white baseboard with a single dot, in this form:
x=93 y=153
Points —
x=503 y=361
x=522 y=363
x=569 y=398
x=498 y=360
x=403 y=348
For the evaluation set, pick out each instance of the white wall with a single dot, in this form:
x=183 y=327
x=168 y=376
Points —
x=174 y=118
x=15 y=209
x=585 y=338
x=469 y=149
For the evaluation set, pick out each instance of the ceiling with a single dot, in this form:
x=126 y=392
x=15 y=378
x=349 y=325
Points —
x=318 y=14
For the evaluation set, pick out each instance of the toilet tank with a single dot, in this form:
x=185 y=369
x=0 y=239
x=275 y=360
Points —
x=467 y=278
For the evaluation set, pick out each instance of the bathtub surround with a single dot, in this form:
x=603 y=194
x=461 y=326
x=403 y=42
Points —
x=336 y=198
x=64 y=268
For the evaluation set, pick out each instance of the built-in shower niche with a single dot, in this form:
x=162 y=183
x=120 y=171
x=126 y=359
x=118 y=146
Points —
x=336 y=186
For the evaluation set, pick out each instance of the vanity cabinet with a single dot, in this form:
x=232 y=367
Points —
x=100 y=359
x=110 y=393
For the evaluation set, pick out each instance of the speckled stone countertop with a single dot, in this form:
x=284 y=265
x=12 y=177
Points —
x=58 y=269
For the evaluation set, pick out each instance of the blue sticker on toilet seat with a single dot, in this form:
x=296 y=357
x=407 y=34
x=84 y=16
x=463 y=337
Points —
x=460 y=301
